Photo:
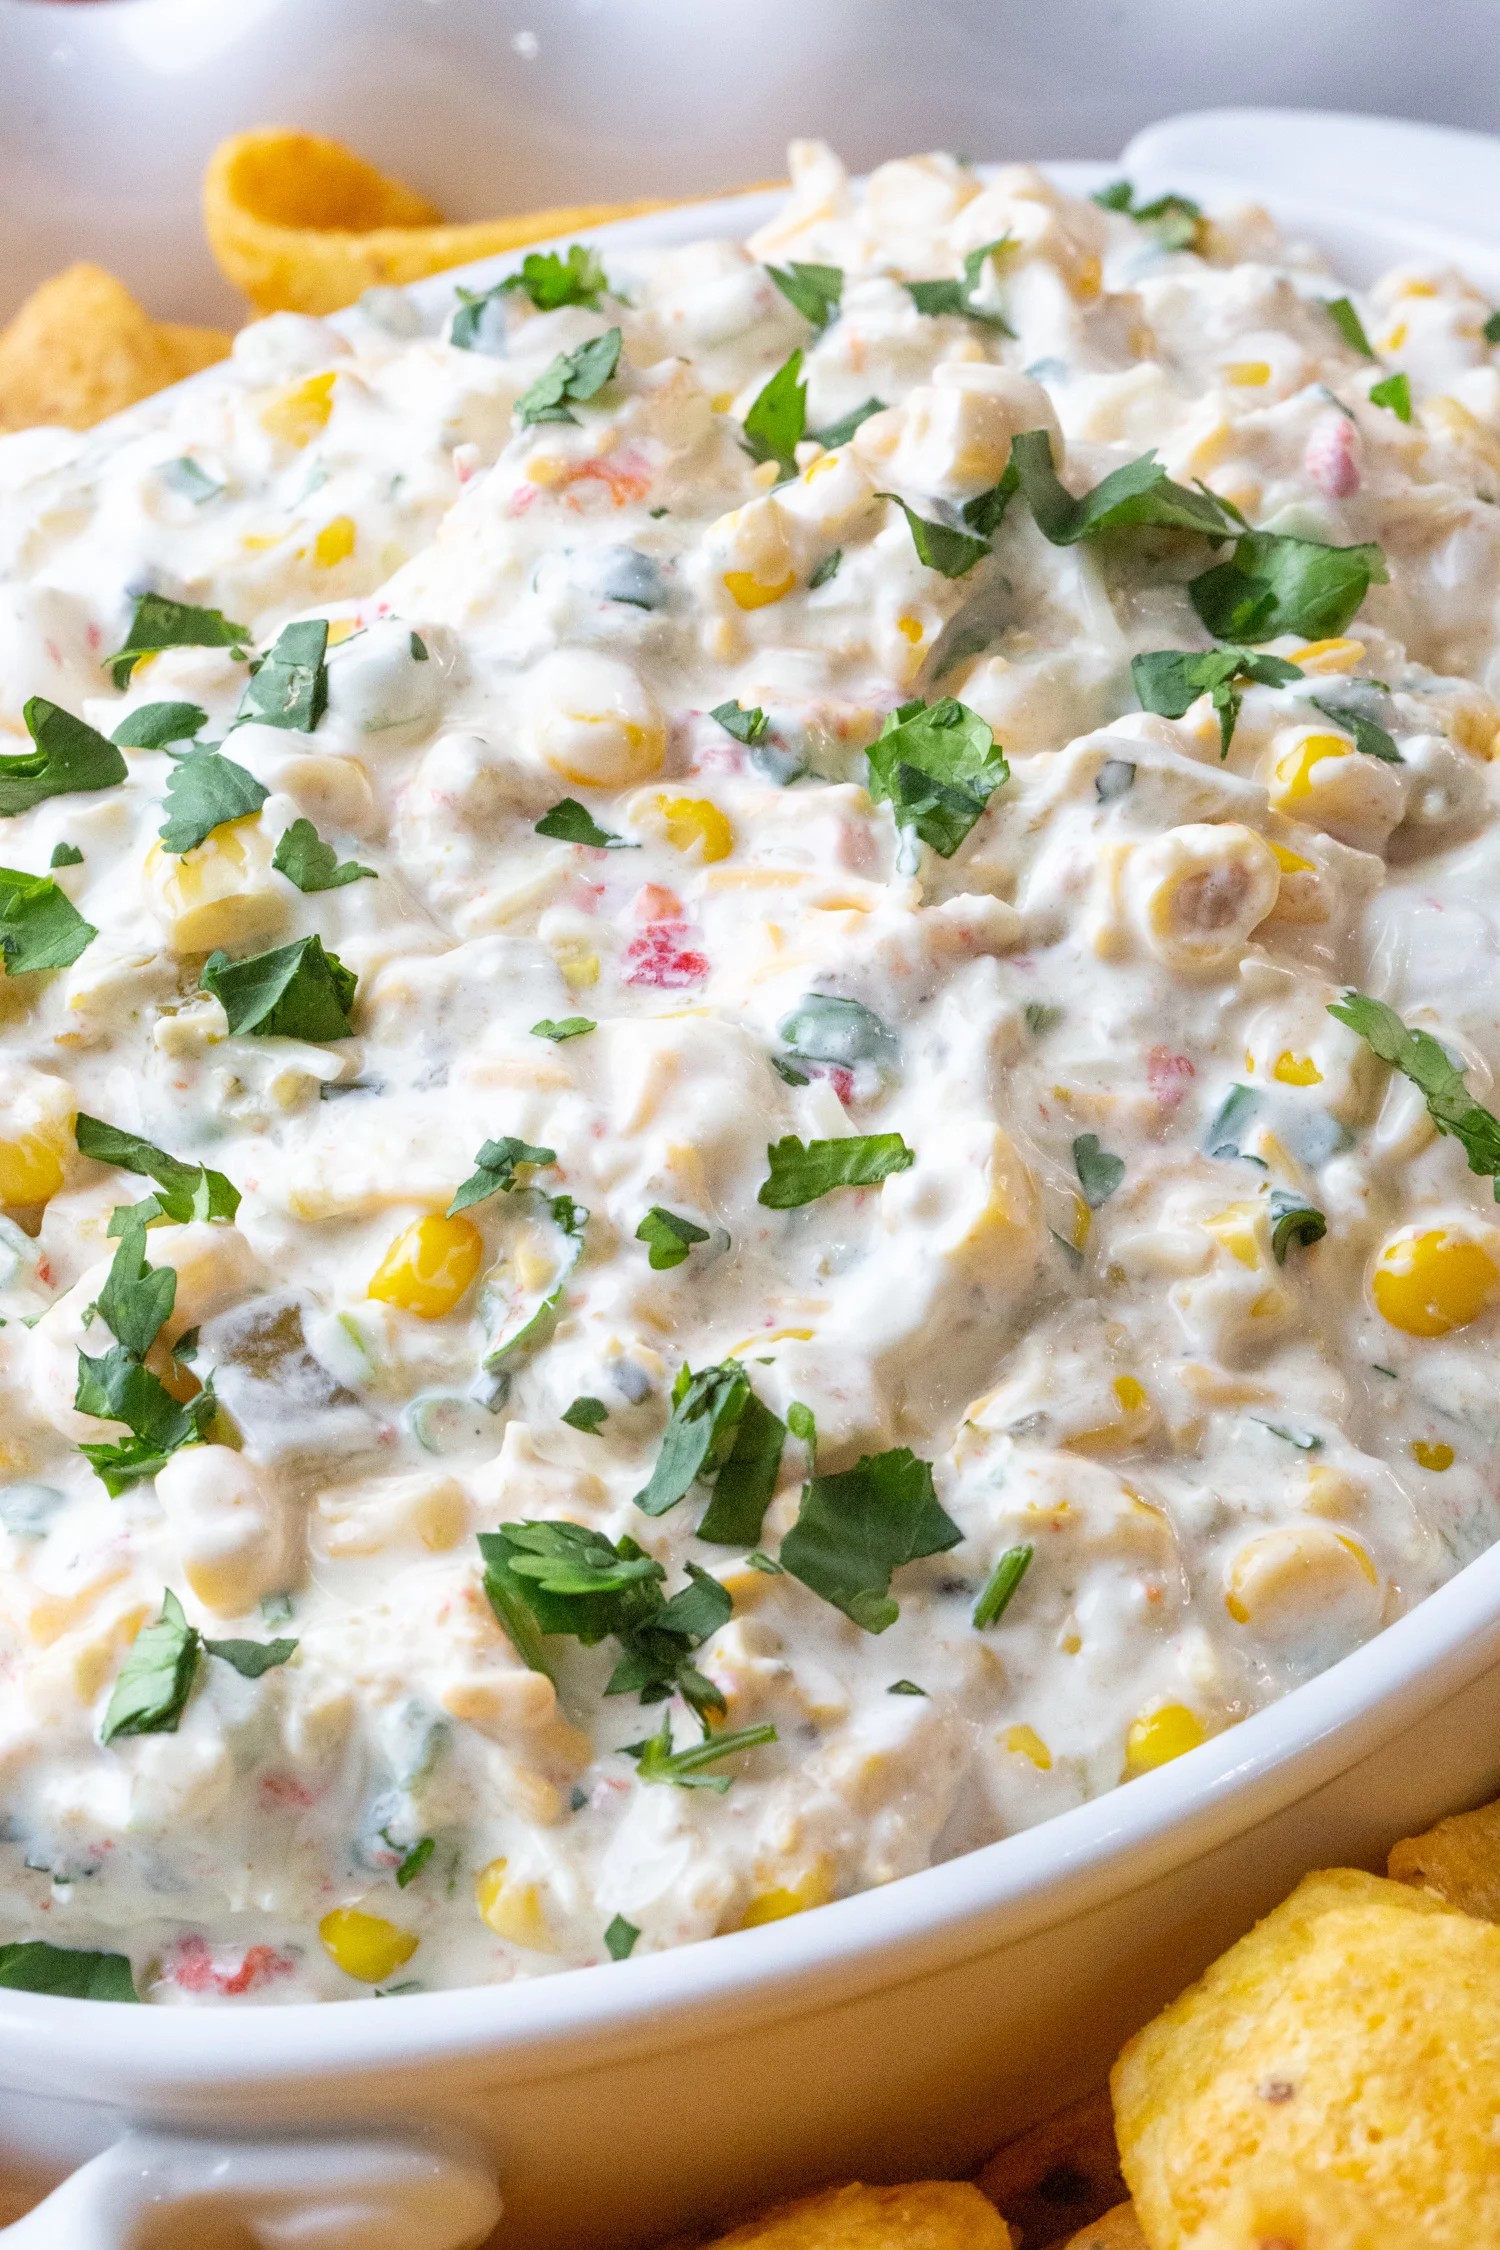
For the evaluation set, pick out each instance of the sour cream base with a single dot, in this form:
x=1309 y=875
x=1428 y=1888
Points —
x=1230 y=1466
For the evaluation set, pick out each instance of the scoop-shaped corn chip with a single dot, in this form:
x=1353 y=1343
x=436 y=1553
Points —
x=1119 y=2229
x=1353 y=2035
x=302 y=224
x=929 y=2215
x=1064 y=2171
x=81 y=348
x=1459 y=1860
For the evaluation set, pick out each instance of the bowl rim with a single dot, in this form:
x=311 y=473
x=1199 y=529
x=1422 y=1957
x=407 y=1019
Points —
x=985 y=1900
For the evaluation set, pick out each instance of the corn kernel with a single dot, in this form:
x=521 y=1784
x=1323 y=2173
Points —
x=334 y=542
x=1083 y=1219
x=1294 y=768
x=579 y=970
x=774 y=1905
x=1396 y=338
x=1248 y=374
x=1130 y=1393
x=1428 y=1281
x=341 y=628
x=1433 y=1457
x=1027 y=1743
x=512 y=1910
x=1296 y=1070
x=1089 y=279
x=1160 y=1736
x=31 y=1169
x=299 y=412
x=1290 y=863
x=1235 y=1228
x=427 y=1269
x=222 y=892
x=365 y=1945
x=910 y=628
x=1330 y=656
x=747 y=592
x=695 y=820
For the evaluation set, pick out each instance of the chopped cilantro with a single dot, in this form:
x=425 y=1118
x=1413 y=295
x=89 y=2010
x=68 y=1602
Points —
x=190 y=482
x=706 y=1409
x=802 y=1423
x=418 y=648
x=835 y=434
x=252 y=1659
x=40 y=927
x=136 y=1298
x=550 y=281
x=937 y=765
x=153 y=725
x=156 y=1678
x=183 y=1191
x=986 y=511
x=1236 y=1110
x=67 y=1972
x=297 y=991
x=563 y=1027
x=777 y=420
x=1169 y=680
x=746 y=726
x=856 y=1528
x=65 y=855
x=304 y=859
x=571 y=380
x=1349 y=325
x=1173 y=220
x=1293 y=1219
x=1040 y=1018
x=619 y=1938
x=1491 y=329
x=905 y=1687
x=571 y=823
x=413 y=1861
x=495 y=1170
x=823 y=1027
x=1422 y=1059
x=1139 y=495
x=68 y=756
x=940 y=546
x=746 y=1479
x=1274 y=584
x=586 y=1414
x=803 y=1171
x=1304 y=1440
x=159 y=623
x=658 y=1761
x=814 y=290
x=1368 y=737
x=205 y=789
x=828 y=568
x=289 y=687
x=1001 y=1585
x=117 y=1388
x=956 y=296
x=755 y=1560
x=668 y=1237
x=1393 y=391
x=1099 y=1173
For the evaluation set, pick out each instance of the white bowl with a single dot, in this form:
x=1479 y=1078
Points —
x=900 y=2033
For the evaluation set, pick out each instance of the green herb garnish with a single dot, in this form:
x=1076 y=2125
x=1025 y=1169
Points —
x=68 y=1973
x=828 y=568
x=668 y=1237
x=117 y=1388
x=190 y=482
x=252 y=1659
x=1173 y=220
x=136 y=1298
x=1169 y=680
x=183 y=1191
x=701 y=1437
x=937 y=765
x=40 y=927
x=586 y=1414
x=571 y=823
x=572 y=379
x=1001 y=1585
x=156 y=1678
x=495 y=1170
x=289 y=687
x=1294 y=1220
x=1099 y=1173
x=68 y=756
x=905 y=1687
x=839 y=433
x=205 y=789
x=65 y=855
x=1368 y=737
x=304 y=859
x=1274 y=584
x=619 y=1938
x=563 y=1027
x=940 y=546
x=855 y=1529
x=956 y=296
x=746 y=726
x=1393 y=391
x=658 y=1761
x=413 y=1861
x=154 y=725
x=159 y=623
x=297 y=991
x=1422 y=1059
x=1139 y=496
x=1349 y=325
x=550 y=281
x=814 y=290
x=777 y=420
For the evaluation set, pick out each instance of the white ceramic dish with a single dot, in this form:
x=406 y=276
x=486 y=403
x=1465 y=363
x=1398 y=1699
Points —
x=902 y=2032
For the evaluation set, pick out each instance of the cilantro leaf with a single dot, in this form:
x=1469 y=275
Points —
x=1491 y=329
x=803 y=1424
x=1422 y=1059
x=1293 y=1219
x=986 y=511
x=136 y=1298
x=550 y=281
x=856 y=1528
x=957 y=296
x=816 y=291
x=40 y=927
x=495 y=1170
x=205 y=789
x=1368 y=736
x=65 y=855
x=1140 y=494
x=290 y=685
x=304 y=859
x=572 y=823
x=522 y=1332
x=803 y=1171
x=297 y=991
x=905 y=1687
x=668 y=1237
x=69 y=755
x=835 y=434
x=1172 y=219
x=156 y=1678
x=252 y=1659
x=619 y=1938
x=563 y=1027
x=117 y=1388
x=1236 y=1111
x=573 y=378
x=159 y=623
x=67 y=1972
x=184 y=1191
x=822 y=572
x=154 y=725
x=1170 y=680
x=747 y=1478
x=937 y=765
x=1274 y=584
x=1099 y=1173
x=586 y=1414
x=1001 y=1585
x=939 y=546
x=1393 y=391
x=706 y=1410
x=746 y=726
x=1349 y=325
x=658 y=1761
x=825 y=1028
x=413 y=1862
x=777 y=420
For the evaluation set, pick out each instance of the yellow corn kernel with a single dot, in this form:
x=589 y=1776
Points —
x=910 y=628
x=1083 y=1219
x=222 y=892
x=1434 y=1457
x=341 y=628
x=31 y=1169
x=809 y=1890
x=695 y=820
x=1089 y=279
x=1236 y=1229
x=365 y=1945
x=1296 y=1070
x=1418 y=289
x=334 y=542
x=427 y=1269
x=722 y=401
x=1159 y=1736
x=512 y=1910
x=766 y=474
x=1330 y=656
x=817 y=468
x=579 y=970
x=1290 y=863
x=1130 y=1393
x=747 y=592
x=1294 y=768
x=1428 y=1281
x=1027 y=1743
x=256 y=543
x=299 y=412
x=1247 y=374
x=1396 y=338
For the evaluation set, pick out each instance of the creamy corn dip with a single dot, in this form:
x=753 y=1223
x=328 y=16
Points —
x=693 y=1214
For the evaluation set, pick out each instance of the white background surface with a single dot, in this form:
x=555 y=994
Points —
x=110 y=110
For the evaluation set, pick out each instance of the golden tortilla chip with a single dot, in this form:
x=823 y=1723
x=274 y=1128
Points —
x=1119 y=2229
x=1061 y=2174
x=1459 y=1860
x=929 y=2215
x=302 y=224
x=81 y=348
x=1353 y=2035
